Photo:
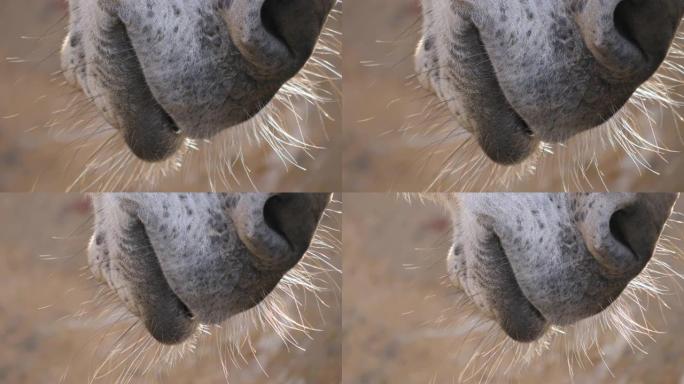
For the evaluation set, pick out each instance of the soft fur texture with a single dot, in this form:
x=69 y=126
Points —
x=164 y=71
x=517 y=73
x=532 y=262
x=181 y=260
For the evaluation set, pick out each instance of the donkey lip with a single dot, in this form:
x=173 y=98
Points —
x=167 y=318
x=149 y=130
x=514 y=312
x=503 y=134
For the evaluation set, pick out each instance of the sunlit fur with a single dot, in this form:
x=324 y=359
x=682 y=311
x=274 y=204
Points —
x=285 y=126
x=484 y=353
x=126 y=350
x=632 y=133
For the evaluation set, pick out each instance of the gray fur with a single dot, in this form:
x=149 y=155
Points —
x=163 y=70
x=178 y=260
x=529 y=261
x=515 y=73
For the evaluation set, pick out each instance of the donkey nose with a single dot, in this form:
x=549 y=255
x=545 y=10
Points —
x=295 y=217
x=277 y=36
x=630 y=37
x=626 y=242
x=296 y=23
x=278 y=229
x=648 y=25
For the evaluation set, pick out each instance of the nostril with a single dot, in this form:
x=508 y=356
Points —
x=294 y=217
x=619 y=231
x=618 y=244
x=275 y=215
x=630 y=38
x=277 y=37
x=624 y=23
x=648 y=25
x=633 y=238
x=279 y=230
x=296 y=24
x=271 y=24
x=624 y=235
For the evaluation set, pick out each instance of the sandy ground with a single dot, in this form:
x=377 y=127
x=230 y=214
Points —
x=400 y=315
x=380 y=96
x=49 y=333
x=40 y=147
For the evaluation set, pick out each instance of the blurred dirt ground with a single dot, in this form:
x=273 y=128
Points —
x=400 y=315
x=381 y=96
x=45 y=337
x=37 y=154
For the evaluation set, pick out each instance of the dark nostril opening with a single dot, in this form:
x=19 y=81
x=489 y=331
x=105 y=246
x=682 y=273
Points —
x=618 y=228
x=296 y=24
x=275 y=212
x=648 y=25
x=634 y=233
x=623 y=19
x=294 y=217
x=269 y=19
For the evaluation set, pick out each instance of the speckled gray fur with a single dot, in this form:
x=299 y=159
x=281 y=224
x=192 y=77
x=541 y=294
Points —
x=517 y=72
x=177 y=260
x=161 y=70
x=529 y=261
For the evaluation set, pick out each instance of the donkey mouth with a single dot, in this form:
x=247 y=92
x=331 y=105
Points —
x=502 y=133
x=148 y=130
x=167 y=318
x=514 y=312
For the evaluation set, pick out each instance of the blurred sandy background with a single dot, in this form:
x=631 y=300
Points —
x=33 y=157
x=400 y=314
x=44 y=286
x=380 y=37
